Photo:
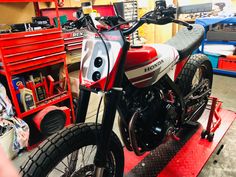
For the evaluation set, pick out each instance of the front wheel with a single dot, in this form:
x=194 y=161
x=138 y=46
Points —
x=71 y=152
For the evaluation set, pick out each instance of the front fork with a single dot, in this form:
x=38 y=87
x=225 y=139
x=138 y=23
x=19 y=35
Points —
x=111 y=101
x=82 y=105
x=110 y=104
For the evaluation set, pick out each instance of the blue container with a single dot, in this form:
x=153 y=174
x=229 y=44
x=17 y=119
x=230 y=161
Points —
x=213 y=58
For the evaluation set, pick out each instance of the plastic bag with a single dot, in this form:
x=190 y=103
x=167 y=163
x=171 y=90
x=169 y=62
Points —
x=7 y=119
x=5 y=102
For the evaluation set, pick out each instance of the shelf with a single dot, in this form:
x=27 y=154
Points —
x=205 y=22
x=220 y=42
x=224 y=72
x=53 y=102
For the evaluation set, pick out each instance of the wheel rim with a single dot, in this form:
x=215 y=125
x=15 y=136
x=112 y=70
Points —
x=80 y=164
x=200 y=76
x=197 y=77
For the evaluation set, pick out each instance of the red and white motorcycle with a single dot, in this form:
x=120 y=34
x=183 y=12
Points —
x=156 y=88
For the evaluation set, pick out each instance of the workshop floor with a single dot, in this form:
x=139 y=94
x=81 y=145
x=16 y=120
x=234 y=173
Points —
x=222 y=163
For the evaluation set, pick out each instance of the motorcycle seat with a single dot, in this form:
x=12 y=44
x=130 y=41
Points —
x=186 y=41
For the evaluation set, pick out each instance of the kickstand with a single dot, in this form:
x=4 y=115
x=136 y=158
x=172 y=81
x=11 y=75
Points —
x=214 y=120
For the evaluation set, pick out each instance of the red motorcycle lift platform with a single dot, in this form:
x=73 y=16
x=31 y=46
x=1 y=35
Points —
x=180 y=158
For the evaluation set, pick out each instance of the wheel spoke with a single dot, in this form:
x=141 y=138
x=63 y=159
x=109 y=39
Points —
x=82 y=160
x=92 y=149
x=59 y=170
x=68 y=158
x=64 y=164
x=68 y=161
x=83 y=152
x=86 y=168
x=200 y=75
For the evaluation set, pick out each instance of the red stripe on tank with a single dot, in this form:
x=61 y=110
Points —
x=129 y=68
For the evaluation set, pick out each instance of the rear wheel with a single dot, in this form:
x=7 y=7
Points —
x=71 y=153
x=196 y=75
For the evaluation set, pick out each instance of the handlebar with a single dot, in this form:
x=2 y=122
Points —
x=160 y=16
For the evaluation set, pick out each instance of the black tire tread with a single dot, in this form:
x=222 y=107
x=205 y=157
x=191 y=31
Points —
x=46 y=155
x=186 y=76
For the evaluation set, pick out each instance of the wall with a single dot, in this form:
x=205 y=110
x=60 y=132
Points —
x=77 y=3
x=234 y=4
x=67 y=3
x=16 y=12
x=154 y=33
x=103 y=2
x=189 y=2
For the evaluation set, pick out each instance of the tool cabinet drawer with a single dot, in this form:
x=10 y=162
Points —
x=28 y=37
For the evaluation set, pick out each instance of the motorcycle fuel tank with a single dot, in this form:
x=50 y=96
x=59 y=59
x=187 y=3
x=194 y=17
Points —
x=146 y=65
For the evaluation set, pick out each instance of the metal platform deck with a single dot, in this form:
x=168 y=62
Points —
x=179 y=158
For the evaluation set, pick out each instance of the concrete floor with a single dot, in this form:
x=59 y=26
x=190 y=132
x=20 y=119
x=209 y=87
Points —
x=223 y=164
x=219 y=165
x=225 y=89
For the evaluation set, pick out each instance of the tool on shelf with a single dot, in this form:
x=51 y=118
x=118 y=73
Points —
x=27 y=98
x=37 y=78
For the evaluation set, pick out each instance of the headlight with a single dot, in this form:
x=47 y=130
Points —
x=98 y=62
x=96 y=76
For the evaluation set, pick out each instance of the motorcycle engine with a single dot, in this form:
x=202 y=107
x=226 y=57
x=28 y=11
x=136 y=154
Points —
x=157 y=114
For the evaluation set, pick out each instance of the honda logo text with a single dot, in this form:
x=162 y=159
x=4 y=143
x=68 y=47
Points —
x=152 y=67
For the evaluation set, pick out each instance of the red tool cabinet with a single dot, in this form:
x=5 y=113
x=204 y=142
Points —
x=72 y=43
x=28 y=51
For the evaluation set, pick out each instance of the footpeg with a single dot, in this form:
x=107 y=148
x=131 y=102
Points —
x=171 y=135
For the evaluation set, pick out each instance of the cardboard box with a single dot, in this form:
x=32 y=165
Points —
x=94 y=98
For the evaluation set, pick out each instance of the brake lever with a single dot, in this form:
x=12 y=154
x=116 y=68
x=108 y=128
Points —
x=189 y=27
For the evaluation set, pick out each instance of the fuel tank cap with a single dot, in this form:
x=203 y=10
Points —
x=135 y=46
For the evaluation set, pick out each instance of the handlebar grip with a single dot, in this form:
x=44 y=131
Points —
x=189 y=26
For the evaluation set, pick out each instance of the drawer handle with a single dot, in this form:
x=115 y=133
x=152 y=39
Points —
x=32 y=35
x=35 y=59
